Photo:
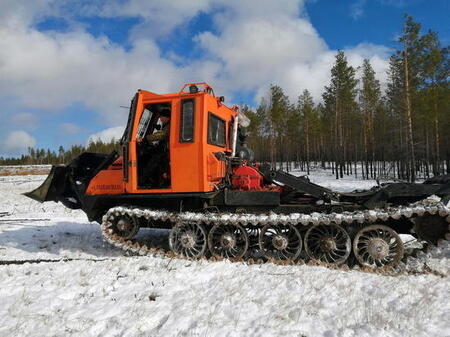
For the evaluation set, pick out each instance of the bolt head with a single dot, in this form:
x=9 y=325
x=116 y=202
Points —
x=280 y=242
x=378 y=248
x=327 y=244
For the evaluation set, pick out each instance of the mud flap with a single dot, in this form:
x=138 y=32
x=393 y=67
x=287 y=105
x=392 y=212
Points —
x=53 y=188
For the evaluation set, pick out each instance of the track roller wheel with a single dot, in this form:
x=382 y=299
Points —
x=228 y=241
x=378 y=246
x=328 y=243
x=188 y=240
x=280 y=242
x=125 y=226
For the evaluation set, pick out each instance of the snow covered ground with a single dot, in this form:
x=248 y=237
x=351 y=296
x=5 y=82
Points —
x=88 y=288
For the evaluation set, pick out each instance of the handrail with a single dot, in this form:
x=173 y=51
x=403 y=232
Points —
x=206 y=86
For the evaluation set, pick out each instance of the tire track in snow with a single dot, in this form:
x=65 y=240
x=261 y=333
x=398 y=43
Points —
x=36 y=261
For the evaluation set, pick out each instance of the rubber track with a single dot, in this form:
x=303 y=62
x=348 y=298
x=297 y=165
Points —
x=431 y=205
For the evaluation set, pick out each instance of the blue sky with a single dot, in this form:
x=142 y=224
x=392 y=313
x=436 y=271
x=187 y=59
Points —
x=67 y=66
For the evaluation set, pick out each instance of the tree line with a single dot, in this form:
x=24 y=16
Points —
x=40 y=156
x=358 y=128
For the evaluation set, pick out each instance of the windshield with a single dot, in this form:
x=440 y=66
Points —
x=127 y=133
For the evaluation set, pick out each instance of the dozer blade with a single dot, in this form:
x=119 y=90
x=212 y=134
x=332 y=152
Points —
x=53 y=187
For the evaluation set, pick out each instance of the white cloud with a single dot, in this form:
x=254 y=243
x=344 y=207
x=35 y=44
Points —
x=258 y=51
x=51 y=71
x=400 y=3
x=158 y=17
x=16 y=13
x=276 y=45
x=16 y=142
x=107 y=135
x=357 y=9
x=70 y=128
x=25 y=120
x=251 y=48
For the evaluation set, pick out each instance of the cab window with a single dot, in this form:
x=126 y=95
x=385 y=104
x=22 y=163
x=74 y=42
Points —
x=216 y=130
x=187 y=121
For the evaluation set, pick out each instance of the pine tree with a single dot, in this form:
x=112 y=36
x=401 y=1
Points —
x=435 y=71
x=278 y=114
x=412 y=58
x=339 y=97
x=306 y=109
x=369 y=99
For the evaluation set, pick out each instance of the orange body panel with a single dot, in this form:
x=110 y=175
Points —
x=193 y=165
x=109 y=181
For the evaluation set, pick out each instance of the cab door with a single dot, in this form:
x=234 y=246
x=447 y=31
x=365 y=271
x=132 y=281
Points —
x=150 y=147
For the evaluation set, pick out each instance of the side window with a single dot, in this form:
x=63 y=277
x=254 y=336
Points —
x=187 y=121
x=216 y=130
x=143 y=124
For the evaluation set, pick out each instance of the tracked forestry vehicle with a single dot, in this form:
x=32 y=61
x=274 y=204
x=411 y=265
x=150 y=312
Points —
x=184 y=166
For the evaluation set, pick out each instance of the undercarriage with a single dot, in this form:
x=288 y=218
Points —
x=365 y=237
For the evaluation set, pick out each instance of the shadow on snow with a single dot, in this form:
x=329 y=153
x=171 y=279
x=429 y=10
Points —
x=61 y=238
